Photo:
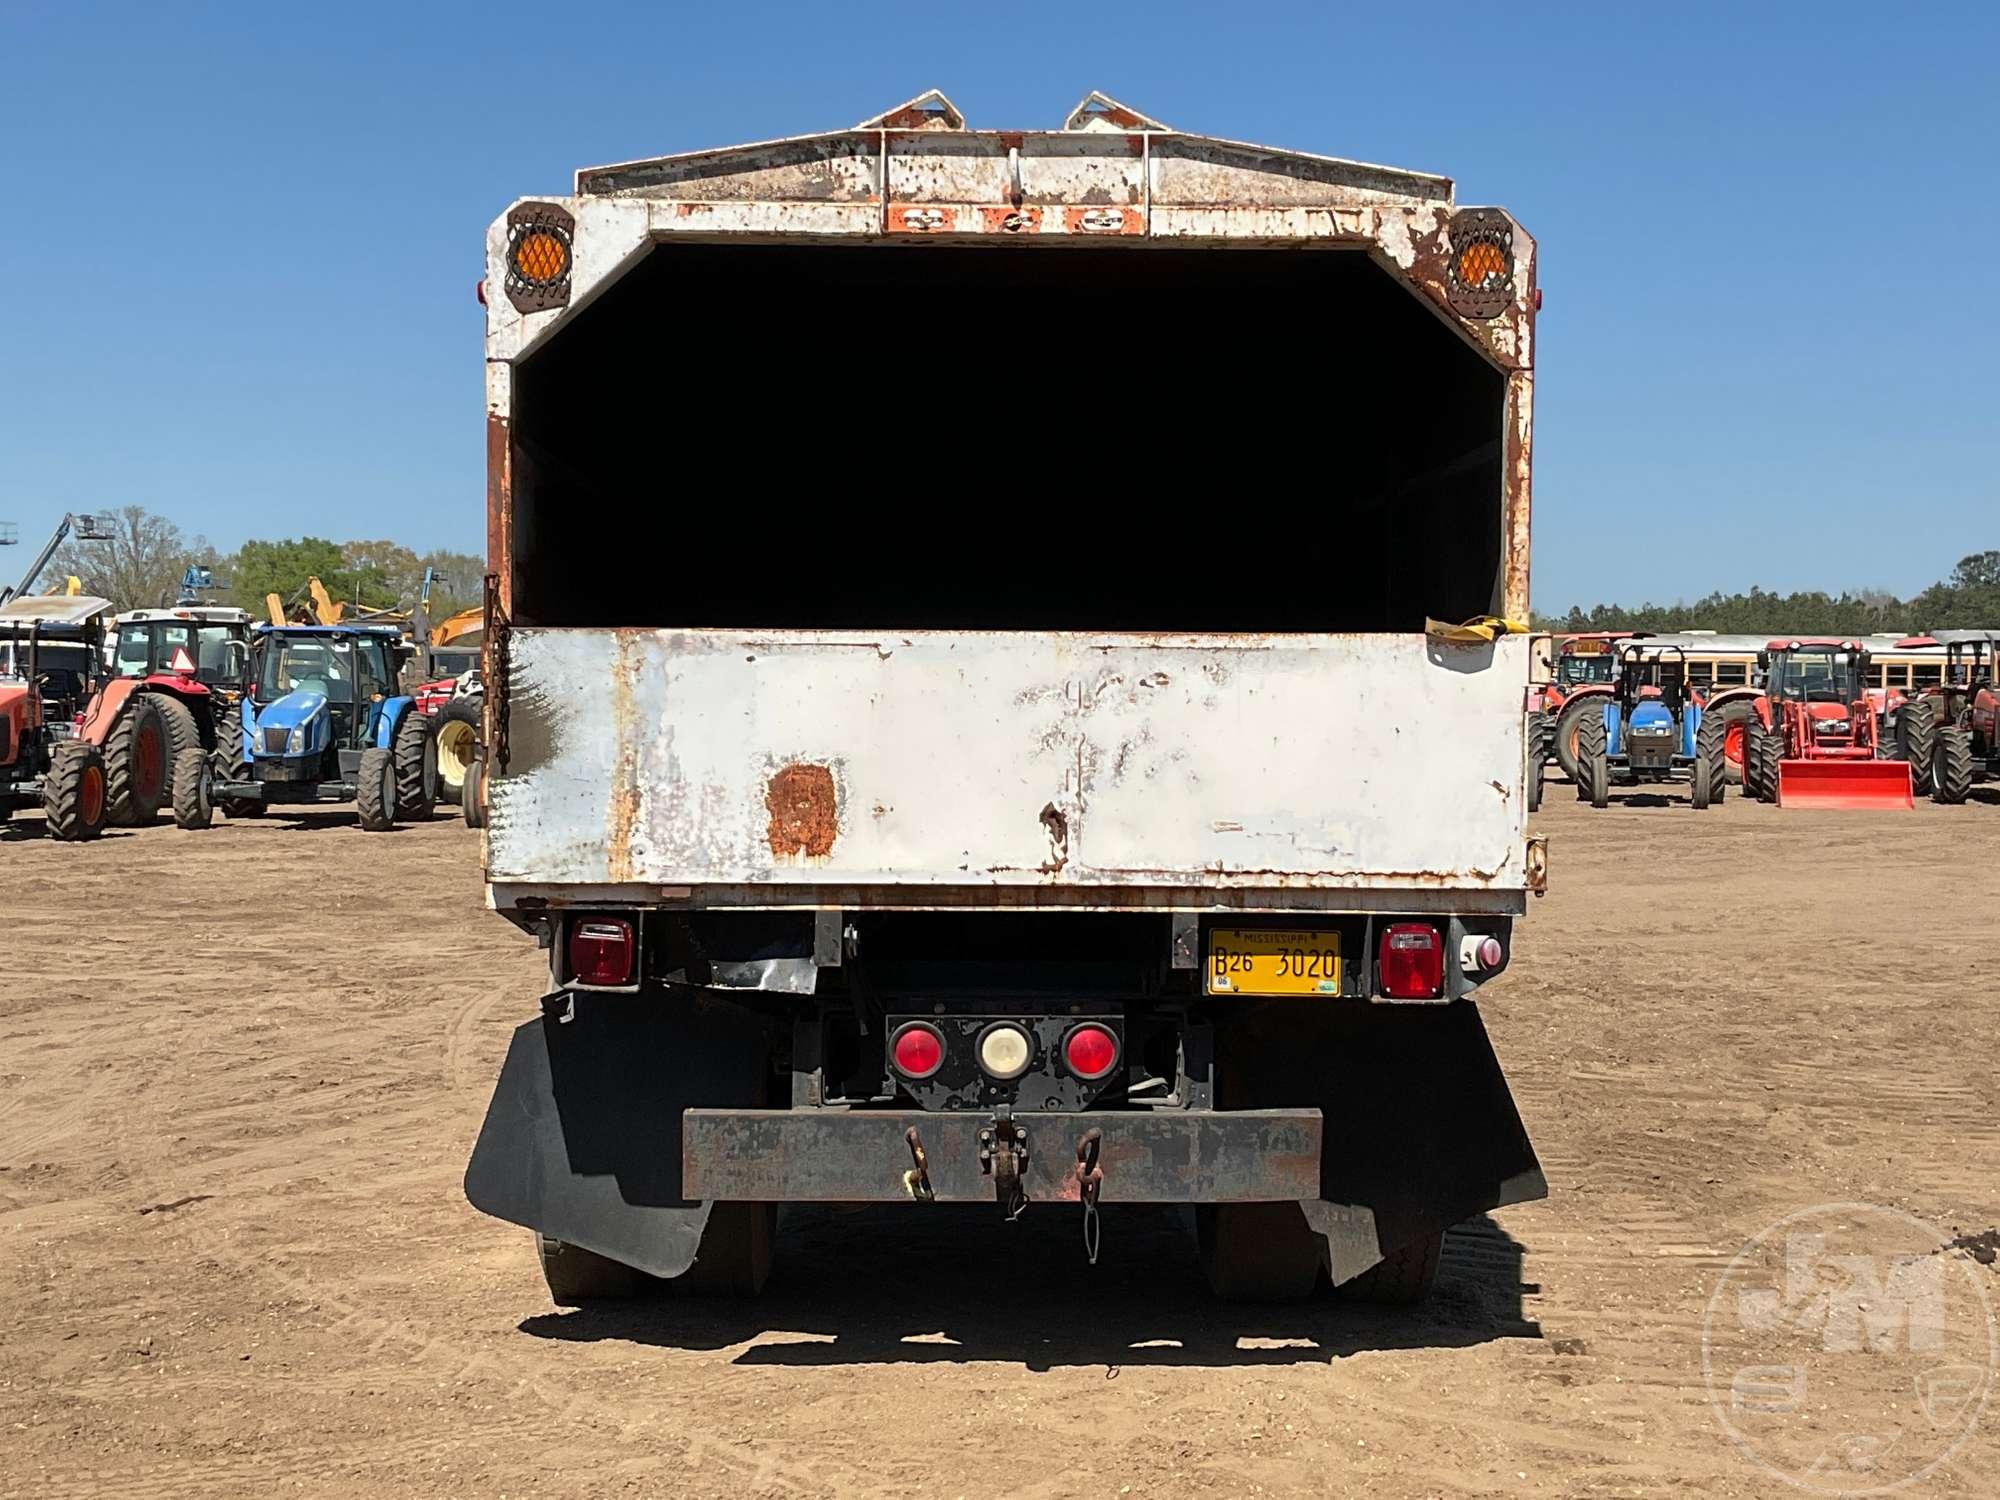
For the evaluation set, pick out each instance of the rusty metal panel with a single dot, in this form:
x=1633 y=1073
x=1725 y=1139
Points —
x=859 y=1156
x=1058 y=762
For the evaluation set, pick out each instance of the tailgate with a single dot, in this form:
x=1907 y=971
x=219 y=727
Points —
x=1061 y=762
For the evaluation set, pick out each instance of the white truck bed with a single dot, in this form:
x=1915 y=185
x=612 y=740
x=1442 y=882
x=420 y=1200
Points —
x=856 y=769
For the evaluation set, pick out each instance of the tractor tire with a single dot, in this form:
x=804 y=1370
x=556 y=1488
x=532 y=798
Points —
x=577 y=1276
x=228 y=741
x=1916 y=733
x=1753 y=746
x=1735 y=717
x=137 y=762
x=1399 y=1279
x=183 y=733
x=1951 y=765
x=1593 y=770
x=458 y=726
x=1541 y=734
x=75 y=793
x=194 y=781
x=472 y=796
x=1710 y=782
x=1258 y=1252
x=415 y=754
x=1564 y=738
x=375 y=791
x=1770 y=754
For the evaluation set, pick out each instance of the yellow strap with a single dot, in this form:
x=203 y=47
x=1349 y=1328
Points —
x=1479 y=628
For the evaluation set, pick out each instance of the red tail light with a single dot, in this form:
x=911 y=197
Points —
x=917 y=1050
x=601 y=951
x=1411 y=961
x=1090 y=1051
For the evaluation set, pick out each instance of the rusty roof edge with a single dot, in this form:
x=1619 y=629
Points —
x=1431 y=184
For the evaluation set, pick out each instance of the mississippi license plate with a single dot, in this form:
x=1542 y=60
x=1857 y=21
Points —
x=1272 y=961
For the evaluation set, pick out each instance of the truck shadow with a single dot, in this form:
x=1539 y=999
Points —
x=954 y=1285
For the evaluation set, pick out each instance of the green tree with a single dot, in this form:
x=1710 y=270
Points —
x=138 y=567
x=283 y=568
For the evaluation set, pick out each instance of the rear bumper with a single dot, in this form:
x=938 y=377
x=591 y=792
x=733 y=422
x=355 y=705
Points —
x=858 y=1156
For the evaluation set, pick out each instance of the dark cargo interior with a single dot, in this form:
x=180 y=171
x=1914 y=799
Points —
x=1019 y=437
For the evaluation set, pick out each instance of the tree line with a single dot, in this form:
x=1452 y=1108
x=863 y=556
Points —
x=140 y=567
x=1968 y=599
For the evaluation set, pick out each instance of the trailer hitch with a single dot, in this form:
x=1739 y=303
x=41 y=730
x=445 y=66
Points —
x=1090 y=1183
x=917 y=1181
x=1003 y=1156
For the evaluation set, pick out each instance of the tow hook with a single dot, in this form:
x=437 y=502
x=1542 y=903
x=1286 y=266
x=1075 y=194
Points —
x=1003 y=1156
x=917 y=1181
x=1089 y=1183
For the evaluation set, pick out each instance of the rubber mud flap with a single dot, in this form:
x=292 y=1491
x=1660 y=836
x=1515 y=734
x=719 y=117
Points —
x=1420 y=1133
x=582 y=1140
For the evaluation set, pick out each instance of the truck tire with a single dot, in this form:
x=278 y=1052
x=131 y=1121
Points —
x=1401 y=1278
x=137 y=763
x=75 y=793
x=1258 y=1252
x=735 y=1255
x=472 y=796
x=1770 y=753
x=1951 y=765
x=1541 y=734
x=577 y=1276
x=1564 y=737
x=1593 y=770
x=194 y=781
x=415 y=752
x=458 y=725
x=375 y=791
x=1916 y=732
x=1709 y=784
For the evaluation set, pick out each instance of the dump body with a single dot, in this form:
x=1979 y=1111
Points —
x=1003 y=593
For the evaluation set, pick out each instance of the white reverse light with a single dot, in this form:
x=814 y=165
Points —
x=1005 y=1051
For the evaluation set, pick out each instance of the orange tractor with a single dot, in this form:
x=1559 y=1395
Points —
x=1811 y=740
x=50 y=653
x=1950 y=732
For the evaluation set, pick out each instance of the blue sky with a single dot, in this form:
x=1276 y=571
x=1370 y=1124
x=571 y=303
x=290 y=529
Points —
x=242 y=243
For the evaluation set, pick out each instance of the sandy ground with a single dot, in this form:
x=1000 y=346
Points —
x=240 y=1072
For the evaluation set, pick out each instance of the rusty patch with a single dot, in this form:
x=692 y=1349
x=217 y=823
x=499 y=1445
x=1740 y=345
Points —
x=623 y=812
x=921 y=218
x=804 y=811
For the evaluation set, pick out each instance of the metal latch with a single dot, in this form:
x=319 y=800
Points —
x=1003 y=1156
x=917 y=1181
x=1089 y=1183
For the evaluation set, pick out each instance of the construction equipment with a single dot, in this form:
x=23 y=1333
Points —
x=81 y=527
x=50 y=653
x=1813 y=739
x=1948 y=732
x=1649 y=730
x=874 y=866
x=325 y=722
x=453 y=692
x=192 y=661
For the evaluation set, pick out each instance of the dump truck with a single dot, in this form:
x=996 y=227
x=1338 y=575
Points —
x=924 y=790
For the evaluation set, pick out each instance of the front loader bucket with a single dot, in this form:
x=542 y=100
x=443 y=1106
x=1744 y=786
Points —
x=1867 y=785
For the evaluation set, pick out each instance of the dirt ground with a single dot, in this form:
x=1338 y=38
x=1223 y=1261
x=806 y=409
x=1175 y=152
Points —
x=240 y=1073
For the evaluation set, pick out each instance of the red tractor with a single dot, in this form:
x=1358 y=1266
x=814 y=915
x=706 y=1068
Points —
x=50 y=653
x=1950 y=733
x=1811 y=739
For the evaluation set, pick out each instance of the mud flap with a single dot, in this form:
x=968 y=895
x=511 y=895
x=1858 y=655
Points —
x=1420 y=1130
x=582 y=1140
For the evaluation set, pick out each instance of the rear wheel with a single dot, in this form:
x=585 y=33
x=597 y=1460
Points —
x=1736 y=717
x=577 y=1276
x=415 y=752
x=1709 y=784
x=74 y=793
x=1540 y=735
x=228 y=741
x=1401 y=1278
x=183 y=733
x=136 y=761
x=1258 y=1252
x=1916 y=733
x=194 y=780
x=471 y=796
x=375 y=790
x=1951 y=765
x=1565 y=737
x=1593 y=768
x=457 y=743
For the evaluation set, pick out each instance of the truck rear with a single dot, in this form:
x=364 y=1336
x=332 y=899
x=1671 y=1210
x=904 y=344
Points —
x=968 y=714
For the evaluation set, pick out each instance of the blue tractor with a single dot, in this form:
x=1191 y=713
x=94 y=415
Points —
x=325 y=721
x=1651 y=731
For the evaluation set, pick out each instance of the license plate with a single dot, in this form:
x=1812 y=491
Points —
x=1272 y=961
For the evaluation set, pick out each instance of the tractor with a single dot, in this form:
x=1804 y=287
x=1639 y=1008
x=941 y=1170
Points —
x=1950 y=733
x=325 y=722
x=1585 y=668
x=1812 y=739
x=50 y=652
x=193 y=658
x=1650 y=730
